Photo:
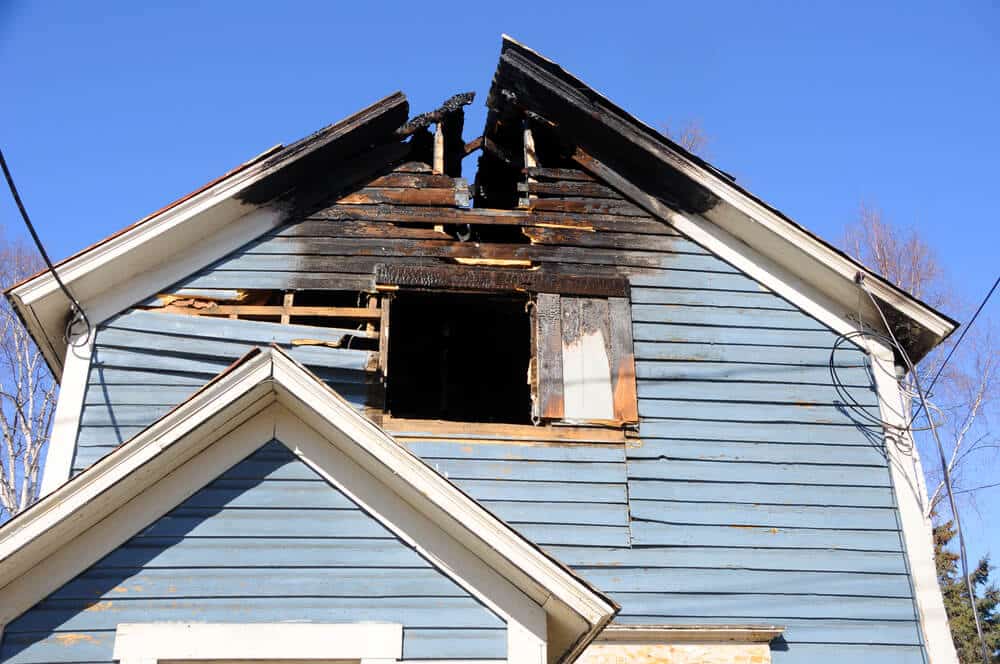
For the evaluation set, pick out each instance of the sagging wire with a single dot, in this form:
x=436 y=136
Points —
x=78 y=313
x=961 y=336
x=921 y=394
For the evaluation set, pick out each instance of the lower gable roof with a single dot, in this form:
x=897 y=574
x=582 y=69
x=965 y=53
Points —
x=269 y=391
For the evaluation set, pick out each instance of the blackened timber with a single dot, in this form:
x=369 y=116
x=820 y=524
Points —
x=559 y=174
x=473 y=145
x=500 y=281
x=352 y=228
x=478 y=216
x=569 y=188
x=450 y=105
x=324 y=187
x=418 y=180
x=548 y=385
x=598 y=126
x=606 y=240
x=587 y=206
x=328 y=147
x=406 y=196
x=324 y=253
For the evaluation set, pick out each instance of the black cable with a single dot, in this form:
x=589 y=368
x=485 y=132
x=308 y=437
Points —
x=960 y=337
x=963 y=555
x=78 y=312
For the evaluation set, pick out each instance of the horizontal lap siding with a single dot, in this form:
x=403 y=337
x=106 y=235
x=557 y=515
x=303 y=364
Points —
x=268 y=541
x=756 y=494
x=145 y=363
x=753 y=495
x=554 y=495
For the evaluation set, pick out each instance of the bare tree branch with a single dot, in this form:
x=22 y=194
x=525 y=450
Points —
x=966 y=392
x=27 y=391
x=691 y=136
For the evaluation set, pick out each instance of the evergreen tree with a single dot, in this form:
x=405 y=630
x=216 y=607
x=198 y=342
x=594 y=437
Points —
x=956 y=600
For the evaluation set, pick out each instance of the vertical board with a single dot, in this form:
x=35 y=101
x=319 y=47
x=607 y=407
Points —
x=626 y=406
x=547 y=332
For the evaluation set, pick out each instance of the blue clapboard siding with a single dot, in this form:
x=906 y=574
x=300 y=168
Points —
x=268 y=541
x=145 y=363
x=586 y=506
x=752 y=494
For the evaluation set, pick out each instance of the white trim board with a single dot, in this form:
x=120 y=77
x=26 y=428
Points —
x=551 y=613
x=66 y=421
x=145 y=643
x=911 y=497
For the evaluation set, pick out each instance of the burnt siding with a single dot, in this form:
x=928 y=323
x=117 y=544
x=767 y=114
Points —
x=752 y=495
x=268 y=541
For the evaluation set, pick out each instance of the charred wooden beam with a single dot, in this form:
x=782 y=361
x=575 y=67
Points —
x=482 y=216
x=526 y=81
x=473 y=145
x=559 y=174
x=457 y=196
x=328 y=148
x=451 y=105
x=461 y=278
x=568 y=189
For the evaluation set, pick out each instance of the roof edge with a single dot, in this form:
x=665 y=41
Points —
x=99 y=267
x=737 y=199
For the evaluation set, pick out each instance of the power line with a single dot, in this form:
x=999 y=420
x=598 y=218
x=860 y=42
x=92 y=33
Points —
x=960 y=337
x=78 y=313
x=946 y=473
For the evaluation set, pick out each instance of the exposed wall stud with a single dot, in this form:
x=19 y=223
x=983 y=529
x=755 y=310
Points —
x=287 y=303
x=439 y=148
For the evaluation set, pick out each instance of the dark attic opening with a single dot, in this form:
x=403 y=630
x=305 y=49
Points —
x=459 y=357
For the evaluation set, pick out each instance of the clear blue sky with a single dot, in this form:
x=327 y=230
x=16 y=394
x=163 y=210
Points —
x=112 y=109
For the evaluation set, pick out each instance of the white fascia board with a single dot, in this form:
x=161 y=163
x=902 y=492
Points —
x=911 y=500
x=66 y=421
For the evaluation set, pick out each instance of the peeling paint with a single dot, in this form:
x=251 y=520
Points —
x=71 y=639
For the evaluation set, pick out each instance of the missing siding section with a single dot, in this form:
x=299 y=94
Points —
x=356 y=311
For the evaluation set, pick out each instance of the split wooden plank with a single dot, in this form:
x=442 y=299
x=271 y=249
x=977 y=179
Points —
x=559 y=174
x=284 y=311
x=549 y=402
x=622 y=358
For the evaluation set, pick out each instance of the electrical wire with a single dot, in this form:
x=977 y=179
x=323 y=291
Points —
x=960 y=337
x=78 y=312
x=963 y=555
